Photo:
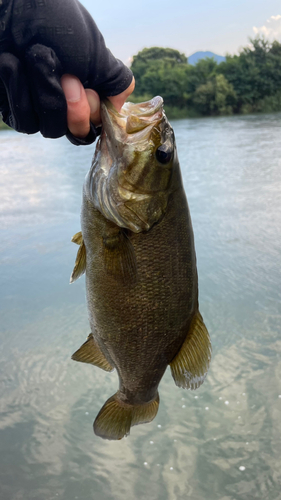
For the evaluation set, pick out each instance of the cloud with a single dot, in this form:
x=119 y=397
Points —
x=272 y=30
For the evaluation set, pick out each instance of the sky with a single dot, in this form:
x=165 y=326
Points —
x=221 y=26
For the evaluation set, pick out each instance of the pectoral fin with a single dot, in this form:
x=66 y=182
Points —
x=80 y=263
x=189 y=367
x=90 y=352
x=119 y=257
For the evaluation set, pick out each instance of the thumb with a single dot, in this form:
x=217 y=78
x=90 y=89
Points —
x=78 y=108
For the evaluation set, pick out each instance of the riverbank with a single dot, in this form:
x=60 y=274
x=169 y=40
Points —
x=243 y=84
x=270 y=104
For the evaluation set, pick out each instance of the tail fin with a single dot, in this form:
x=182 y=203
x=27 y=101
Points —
x=116 y=418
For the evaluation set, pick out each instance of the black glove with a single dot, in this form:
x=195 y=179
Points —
x=39 y=41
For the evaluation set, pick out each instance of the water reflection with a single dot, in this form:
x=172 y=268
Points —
x=222 y=441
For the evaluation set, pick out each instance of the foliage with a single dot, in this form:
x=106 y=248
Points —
x=248 y=82
x=269 y=103
x=216 y=96
x=3 y=125
x=255 y=73
x=160 y=71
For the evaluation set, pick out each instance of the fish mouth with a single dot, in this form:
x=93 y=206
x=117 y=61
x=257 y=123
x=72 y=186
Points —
x=134 y=122
x=142 y=109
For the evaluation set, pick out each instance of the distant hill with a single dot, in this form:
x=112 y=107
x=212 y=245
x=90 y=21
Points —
x=194 y=58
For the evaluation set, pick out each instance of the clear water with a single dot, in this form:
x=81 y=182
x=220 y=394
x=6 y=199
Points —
x=222 y=442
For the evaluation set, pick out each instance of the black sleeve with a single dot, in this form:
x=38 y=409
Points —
x=39 y=41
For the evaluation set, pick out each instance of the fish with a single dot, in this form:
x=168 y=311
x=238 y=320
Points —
x=136 y=248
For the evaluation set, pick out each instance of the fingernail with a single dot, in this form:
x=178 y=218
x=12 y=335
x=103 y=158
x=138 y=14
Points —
x=72 y=88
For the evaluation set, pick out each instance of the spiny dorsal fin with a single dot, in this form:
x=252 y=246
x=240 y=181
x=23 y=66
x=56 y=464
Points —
x=80 y=263
x=119 y=257
x=77 y=238
x=116 y=418
x=90 y=352
x=189 y=367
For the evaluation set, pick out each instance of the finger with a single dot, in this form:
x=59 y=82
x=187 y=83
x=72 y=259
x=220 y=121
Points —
x=94 y=102
x=78 y=108
x=120 y=99
x=15 y=99
x=44 y=72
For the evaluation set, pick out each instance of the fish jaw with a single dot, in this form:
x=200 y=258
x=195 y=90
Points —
x=130 y=129
x=129 y=182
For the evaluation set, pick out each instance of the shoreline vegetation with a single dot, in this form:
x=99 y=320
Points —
x=242 y=84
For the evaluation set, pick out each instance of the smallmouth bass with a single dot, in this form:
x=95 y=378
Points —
x=137 y=250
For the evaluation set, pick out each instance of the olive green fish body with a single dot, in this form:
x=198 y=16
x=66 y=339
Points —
x=142 y=289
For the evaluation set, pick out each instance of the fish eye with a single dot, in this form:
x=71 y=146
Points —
x=164 y=154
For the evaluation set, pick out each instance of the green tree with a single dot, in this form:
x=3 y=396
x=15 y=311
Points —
x=255 y=73
x=156 y=53
x=225 y=95
x=160 y=71
x=250 y=81
x=204 y=97
x=215 y=97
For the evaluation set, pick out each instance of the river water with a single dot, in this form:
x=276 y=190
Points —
x=221 y=442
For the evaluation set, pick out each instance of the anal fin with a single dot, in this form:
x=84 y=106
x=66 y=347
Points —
x=90 y=352
x=190 y=366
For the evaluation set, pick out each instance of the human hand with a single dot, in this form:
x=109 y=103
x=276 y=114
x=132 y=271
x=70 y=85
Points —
x=38 y=46
x=83 y=105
